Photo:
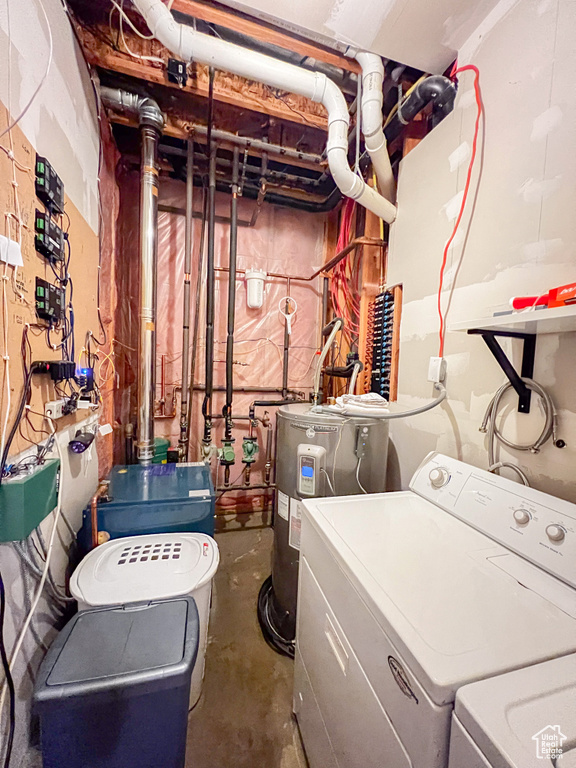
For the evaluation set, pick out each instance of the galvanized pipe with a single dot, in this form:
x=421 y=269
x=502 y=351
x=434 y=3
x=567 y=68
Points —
x=184 y=419
x=148 y=267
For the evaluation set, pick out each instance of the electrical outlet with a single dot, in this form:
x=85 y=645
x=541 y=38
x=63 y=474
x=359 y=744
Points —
x=54 y=409
x=437 y=369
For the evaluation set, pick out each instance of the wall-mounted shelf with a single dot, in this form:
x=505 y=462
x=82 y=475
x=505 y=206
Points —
x=556 y=320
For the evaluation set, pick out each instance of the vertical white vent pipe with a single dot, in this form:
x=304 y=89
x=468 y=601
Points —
x=189 y=45
x=372 y=79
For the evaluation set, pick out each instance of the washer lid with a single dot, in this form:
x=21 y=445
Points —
x=519 y=719
x=145 y=568
x=439 y=591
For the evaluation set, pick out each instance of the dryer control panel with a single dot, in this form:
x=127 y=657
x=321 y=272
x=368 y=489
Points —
x=533 y=524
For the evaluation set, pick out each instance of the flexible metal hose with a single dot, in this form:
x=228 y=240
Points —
x=489 y=426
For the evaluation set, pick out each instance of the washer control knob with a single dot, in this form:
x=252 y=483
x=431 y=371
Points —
x=555 y=532
x=522 y=516
x=438 y=477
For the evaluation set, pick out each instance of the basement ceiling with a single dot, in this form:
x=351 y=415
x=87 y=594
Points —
x=425 y=34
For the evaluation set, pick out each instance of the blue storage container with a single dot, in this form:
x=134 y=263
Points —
x=158 y=498
x=113 y=689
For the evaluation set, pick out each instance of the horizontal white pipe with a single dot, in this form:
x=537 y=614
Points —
x=189 y=45
x=372 y=79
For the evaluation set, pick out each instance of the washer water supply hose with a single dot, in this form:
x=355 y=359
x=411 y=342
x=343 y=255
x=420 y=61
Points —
x=489 y=426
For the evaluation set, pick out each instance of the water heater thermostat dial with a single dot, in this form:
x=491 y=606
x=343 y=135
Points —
x=522 y=516
x=555 y=533
x=438 y=477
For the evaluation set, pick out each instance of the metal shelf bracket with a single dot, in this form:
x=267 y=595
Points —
x=527 y=370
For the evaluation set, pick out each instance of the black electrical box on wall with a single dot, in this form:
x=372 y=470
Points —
x=177 y=72
x=49 y=186
x=49 y=239
x=49 y=301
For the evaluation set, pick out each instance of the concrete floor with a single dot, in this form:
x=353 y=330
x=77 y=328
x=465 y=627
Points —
x=244 y=717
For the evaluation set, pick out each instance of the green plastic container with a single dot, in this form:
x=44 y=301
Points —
x=161 y=445
x=26 y=501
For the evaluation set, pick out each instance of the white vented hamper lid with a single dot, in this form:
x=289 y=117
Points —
x=147 y=567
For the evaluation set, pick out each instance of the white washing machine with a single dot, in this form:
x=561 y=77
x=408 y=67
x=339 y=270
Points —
x=406 y=597
x=524 y=719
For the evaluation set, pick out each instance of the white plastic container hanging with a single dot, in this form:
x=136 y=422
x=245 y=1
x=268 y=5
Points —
x=255 y=288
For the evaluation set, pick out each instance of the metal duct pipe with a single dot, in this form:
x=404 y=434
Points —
x=190 y=45
x=227 y=410
x=151 y=123
x=184 y=418
x=148 y=269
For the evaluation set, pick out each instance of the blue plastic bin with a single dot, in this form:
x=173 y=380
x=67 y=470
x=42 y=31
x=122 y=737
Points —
x=113 y=689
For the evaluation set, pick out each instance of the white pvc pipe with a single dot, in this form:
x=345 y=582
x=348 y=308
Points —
x=187 y=44
x=372 y=98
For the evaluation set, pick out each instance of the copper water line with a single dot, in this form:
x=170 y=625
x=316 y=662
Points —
x=356 y=243
x=102 y=487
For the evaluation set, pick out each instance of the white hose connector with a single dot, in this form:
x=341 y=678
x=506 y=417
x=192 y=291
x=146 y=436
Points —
x=372 y=99
x=187 y=44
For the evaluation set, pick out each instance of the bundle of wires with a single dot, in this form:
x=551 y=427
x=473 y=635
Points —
x=344 y=283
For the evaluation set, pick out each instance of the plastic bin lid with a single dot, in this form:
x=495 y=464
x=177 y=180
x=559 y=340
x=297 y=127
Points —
x=149 y=567
x=124 y=648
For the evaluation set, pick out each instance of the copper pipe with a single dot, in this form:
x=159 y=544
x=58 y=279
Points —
x=356 y=243
x=162 y=386
x=102 y=488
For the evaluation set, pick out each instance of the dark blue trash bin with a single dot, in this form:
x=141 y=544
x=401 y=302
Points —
x=113 y=689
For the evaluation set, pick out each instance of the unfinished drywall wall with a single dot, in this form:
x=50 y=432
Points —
x=61 y=123
x=520 y=240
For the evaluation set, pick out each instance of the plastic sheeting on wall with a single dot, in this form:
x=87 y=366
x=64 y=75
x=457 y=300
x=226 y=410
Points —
x=282 y=241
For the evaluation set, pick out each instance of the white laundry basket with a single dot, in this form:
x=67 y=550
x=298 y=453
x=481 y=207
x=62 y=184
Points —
x=151 y=567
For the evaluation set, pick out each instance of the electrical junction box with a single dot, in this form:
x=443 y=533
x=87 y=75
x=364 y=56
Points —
x=311 y=461
x=49 y=301
x=26 y=500
x=177 y=72
x=49 y=239
x=49 y=186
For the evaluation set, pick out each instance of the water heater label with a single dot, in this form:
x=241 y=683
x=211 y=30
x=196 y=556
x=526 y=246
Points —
x=295 y=523
x=318 y=428
x=283 y=505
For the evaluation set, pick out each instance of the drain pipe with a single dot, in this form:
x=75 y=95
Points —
x=184 y=418
x=188 y=44
x=151 y=123
x=371 y=112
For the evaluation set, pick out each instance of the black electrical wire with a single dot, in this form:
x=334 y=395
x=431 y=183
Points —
x=9 y=678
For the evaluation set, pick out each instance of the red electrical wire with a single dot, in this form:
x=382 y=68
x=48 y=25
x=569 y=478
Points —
x=478 y=95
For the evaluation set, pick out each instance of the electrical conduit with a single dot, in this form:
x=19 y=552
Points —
x=187 y=44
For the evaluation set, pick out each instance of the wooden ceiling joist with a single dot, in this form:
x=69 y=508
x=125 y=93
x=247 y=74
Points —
x=264 y=32
x=228 y=89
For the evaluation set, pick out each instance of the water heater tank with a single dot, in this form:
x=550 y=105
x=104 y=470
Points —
x=317 y=454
